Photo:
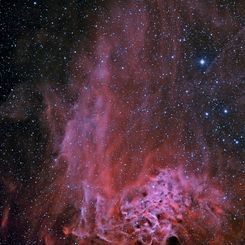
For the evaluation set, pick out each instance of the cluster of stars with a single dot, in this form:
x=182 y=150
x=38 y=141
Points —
x=128 y=91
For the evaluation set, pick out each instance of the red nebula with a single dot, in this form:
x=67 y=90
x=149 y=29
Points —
x=128 y=161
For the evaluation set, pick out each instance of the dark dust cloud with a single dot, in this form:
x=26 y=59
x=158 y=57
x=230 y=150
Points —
x=122 y=122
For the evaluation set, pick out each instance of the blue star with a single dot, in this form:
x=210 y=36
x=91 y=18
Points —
x=202 y=62
x=225 y=111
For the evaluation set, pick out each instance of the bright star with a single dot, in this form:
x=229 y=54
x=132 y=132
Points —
x=225 y=111
x=202 y=62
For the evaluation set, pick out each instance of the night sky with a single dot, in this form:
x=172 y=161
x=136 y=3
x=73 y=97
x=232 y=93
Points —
x=122 y=122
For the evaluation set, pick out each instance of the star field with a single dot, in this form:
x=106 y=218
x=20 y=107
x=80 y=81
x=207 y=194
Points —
x=122 y=122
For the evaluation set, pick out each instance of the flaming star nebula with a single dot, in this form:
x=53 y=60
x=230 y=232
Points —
x=122 y=122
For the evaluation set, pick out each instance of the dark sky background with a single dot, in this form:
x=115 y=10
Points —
x=97 y=96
